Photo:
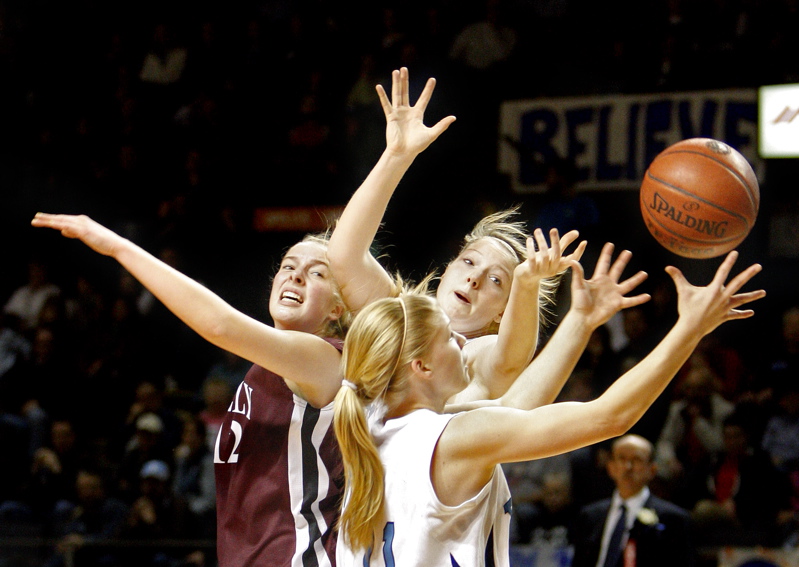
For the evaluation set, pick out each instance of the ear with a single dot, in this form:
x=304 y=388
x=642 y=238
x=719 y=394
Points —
x=610 y=468
x=336 y=313
x=498 y=318
x=419 y=367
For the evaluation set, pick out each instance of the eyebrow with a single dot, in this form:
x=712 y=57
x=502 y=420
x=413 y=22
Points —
x=499 y=265
x=313 y=263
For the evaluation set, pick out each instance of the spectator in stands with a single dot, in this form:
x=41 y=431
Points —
x=93 y=517
x=781 y=443
x=486 y=44
x=228 y=367
x=217 y=393
x=526 y=481
x=693 y=432
x=54 y=471
x=158 y=513
x=194 y=475
x=147 y=443
x=781 y=438
x=553 y=517
x=15 y=471
x=740 y=494
x=633 y=523
x=150 y=398
x=784 y=363
x=27 y=300
x=15 y=347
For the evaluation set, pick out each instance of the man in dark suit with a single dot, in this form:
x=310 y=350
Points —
x=632 y=528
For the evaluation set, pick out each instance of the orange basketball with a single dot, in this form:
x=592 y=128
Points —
x=699 y=198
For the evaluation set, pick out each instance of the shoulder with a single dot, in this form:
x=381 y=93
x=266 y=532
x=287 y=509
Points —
x=595 y=508
x=419 y=431
x=477 y=343
x=336 y=342
x=664 y=507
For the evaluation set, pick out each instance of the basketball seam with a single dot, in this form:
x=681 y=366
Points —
x=684 y=192
x=749 y=191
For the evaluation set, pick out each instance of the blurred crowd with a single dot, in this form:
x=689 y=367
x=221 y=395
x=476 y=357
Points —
x=174 y=122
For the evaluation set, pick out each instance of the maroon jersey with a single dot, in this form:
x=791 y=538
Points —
x=279 y=478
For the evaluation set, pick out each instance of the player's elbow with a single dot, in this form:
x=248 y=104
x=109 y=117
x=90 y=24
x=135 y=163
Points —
x=218 y=330
x=340 y=258
x=503 y=374
x=613 y=421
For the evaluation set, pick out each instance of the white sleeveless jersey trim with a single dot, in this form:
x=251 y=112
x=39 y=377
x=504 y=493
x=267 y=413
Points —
x=309 y=481
x=421 y=530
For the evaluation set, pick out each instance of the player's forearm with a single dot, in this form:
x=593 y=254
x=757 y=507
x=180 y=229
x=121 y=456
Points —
x=360 y=276
x=517 y=338
x=628 y=398
x=543 y=379
x=361 y=218
x=191 y=302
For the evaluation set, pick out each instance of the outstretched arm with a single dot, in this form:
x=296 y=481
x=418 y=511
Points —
x=360 y=276
x=496 y=361
x=593 y=303
x=476 y=440
x=313 y=365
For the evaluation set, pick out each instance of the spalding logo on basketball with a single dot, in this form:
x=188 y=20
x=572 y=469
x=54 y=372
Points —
x=699 y=198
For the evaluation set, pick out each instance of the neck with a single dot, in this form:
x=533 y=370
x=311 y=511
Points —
x=626 y=494
x=413 y=401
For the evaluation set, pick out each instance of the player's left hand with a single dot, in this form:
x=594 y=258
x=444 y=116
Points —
x=547 y=260
x=601 y=297
x=406 y=133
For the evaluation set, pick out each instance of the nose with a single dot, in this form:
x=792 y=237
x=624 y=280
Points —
x=474 y=280
x=296 y=276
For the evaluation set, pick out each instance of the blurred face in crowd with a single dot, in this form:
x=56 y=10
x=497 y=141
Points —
x=62 y=436
x=631 y=466
x=89 y=488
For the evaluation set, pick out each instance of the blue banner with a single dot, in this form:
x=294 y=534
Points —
x=612 y=139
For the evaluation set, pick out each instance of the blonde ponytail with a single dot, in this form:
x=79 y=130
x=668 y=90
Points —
x=384 y=337
x=363 y=471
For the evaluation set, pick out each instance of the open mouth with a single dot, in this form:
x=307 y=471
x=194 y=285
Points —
x=462 y=297
x=291 y=296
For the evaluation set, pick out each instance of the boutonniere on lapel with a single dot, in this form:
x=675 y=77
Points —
x=647 y=516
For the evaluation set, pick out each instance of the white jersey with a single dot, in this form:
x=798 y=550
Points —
x=420 y=531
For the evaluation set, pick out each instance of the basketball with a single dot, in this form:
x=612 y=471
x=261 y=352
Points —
x=699 y=198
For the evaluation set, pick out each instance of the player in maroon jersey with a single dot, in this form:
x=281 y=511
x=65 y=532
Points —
x=277 y=465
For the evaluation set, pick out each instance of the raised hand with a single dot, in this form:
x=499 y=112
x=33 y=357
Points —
x=406 y=133
x=96 y=236
x=548 y=260
x=601 y=297
x=705 y=308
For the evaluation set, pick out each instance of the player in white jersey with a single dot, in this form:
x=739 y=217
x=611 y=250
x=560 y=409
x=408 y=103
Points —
x=437 y=476
x=422 y=530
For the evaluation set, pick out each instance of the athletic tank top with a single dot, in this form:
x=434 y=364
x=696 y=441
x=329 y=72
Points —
x=279 y=477
x=420 y=531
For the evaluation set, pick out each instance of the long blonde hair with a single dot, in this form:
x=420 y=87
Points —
x=382 y=341
x=513 y=234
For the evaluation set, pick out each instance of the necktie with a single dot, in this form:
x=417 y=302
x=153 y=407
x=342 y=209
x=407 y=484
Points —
x=614 y=547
